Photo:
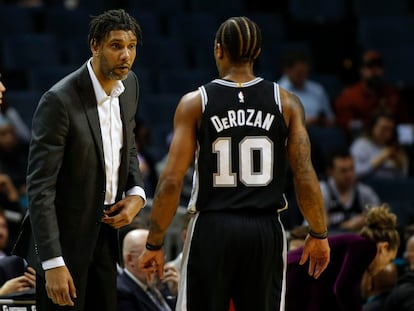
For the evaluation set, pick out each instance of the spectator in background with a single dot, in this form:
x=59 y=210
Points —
x=13 y=154
x=352 y=257
x=401 y=297
x=135 y=291
x=4 y=235
x=377 y=290
x=314 y=98
x=176 y=262
x=15 y=276
x=354 y=106
x=10 y=205
x=345 y=198
x=409 y=253
x=377 y=153
x=21 y=129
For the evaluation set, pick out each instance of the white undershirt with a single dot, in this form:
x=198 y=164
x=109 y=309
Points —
x=111 y=132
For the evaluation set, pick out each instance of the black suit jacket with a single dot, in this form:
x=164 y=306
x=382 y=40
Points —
x=131 y=297
x=66 y=172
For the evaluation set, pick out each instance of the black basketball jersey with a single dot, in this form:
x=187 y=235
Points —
x=241 y=160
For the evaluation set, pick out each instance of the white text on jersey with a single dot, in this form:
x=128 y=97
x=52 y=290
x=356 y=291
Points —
x=241 y=117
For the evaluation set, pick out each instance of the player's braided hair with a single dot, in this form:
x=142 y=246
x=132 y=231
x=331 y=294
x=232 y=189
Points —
x=241 y=38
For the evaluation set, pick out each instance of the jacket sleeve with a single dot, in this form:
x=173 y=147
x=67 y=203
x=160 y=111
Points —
x=134 y=174
x=49 y=131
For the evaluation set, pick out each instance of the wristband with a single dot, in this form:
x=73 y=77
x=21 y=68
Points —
x=152 y=247
x=320 y=236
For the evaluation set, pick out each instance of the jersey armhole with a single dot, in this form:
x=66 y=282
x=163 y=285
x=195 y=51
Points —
x=277 y=96
x=204 y=97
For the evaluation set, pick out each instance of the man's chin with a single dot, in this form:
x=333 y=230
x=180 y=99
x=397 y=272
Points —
x=115 y=76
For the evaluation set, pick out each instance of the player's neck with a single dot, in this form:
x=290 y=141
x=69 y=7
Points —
x=240 y=73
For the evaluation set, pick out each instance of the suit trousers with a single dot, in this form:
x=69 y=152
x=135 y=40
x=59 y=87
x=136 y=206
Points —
x=96 y=289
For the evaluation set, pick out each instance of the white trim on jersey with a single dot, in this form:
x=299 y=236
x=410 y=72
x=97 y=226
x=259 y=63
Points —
x=182 y=289
x=237 y=84
x=204 y=97
x=284 y=254
x=191 y=207
x=277 y=96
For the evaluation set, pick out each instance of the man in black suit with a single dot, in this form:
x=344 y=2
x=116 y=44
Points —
x=15 y=276
x=83 y=176
x=135 y=292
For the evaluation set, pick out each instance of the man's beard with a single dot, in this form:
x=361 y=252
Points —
x=113 y=76
x=110 y=72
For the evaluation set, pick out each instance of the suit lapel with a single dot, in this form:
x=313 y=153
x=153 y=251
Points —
x=141 y=296
x=88 y=99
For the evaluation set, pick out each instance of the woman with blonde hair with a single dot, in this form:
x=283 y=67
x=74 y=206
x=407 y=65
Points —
x=354 y=257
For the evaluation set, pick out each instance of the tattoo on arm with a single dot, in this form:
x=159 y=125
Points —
x=155 y=227
x=299 y=140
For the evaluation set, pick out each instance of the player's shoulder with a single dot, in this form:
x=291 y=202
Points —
x=289 y=100
x=193 y=96
x=190 y=103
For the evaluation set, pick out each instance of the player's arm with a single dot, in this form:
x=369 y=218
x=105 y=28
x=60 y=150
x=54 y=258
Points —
x=306 y=183
x=180 y=157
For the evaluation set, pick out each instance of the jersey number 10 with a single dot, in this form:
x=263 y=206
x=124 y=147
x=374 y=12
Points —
x=225 y=177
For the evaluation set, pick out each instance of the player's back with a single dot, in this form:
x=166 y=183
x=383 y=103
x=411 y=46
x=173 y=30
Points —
x=241 y=159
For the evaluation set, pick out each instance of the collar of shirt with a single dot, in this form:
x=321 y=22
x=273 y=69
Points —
x=100 y=94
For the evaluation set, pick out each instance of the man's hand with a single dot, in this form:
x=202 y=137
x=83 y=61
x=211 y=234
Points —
x=7 y=187
x=30 y=275
x=171 y=278
x=21 y=283
x=152 y=262
x=318 y=253
x=59 y=286
x=123 y=212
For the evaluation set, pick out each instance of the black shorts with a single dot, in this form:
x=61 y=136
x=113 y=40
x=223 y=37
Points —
x=233 y=255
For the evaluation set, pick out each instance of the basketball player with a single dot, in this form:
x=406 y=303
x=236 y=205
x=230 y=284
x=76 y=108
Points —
x=243 y=131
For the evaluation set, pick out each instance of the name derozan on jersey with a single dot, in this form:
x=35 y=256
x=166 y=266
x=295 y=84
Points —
x=241 y=117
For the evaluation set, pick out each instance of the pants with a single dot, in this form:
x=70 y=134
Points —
x=96 y=289
x=233 y=255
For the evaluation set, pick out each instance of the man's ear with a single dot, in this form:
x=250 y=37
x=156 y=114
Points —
x=94 y=47
x=219 y=51
x=127 y=259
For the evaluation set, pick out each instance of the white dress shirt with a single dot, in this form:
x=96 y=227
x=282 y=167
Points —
x=112 y=139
